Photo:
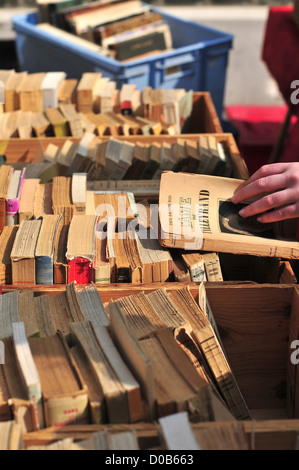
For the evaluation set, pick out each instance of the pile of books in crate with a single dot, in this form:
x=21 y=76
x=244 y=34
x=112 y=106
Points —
x=49 y=104
x=120 y=29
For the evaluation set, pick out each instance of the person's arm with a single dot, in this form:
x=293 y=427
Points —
x=276 y=190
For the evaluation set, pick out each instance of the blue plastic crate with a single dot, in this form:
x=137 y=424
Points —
x=197 y=62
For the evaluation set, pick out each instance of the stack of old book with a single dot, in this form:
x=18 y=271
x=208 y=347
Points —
x=116 y=159
x=124 y=29
x=70 y=359
x=49 y=104
x=67 y=233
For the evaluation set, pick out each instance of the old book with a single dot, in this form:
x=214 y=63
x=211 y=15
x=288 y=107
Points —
x=79 y=186
x=180 y=271
x=26 y=204
x=81 y=248
x=64 y=395
x=216 y=223
x=4 y=77
x=60 y=264
x=44 y=252
x=15 y=403
x=9 y=313
x=114 y=391
x=11 y=436
x=111 y=29
x=14 y=191
x=40 y=124
x=118 y=159
x=50 y=86
x=146 y=260
x=87 y=92
x=130 y=246
x=31 y=94
x=11 y=90
x=136 y=358
x=5 y=171
x=101 y=266
x=122 y=263
x=61 y=198
x=151 y=38
x=153 y=164
x=96 y=399
x=130 y=98
x=42 y=318
x=29 y=372
x=92 y=306
x=212 y=267
x=171 y=365
x=23 y=253
x=204 y=335
x=140 y=159
x=43 y=200
x=57 y=121
x=67 y=155
x=167 y=159
x=73 y=119
x=105 y=14
x=195 y=264
x=24 y=126
x=177 y=432
x=67 y=91
x=126 y=440
x=7 y=239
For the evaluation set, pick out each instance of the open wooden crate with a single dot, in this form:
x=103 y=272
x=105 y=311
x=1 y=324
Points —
x=257 y=325
x=31 y=150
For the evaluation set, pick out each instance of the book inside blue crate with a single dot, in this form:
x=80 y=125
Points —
x=191 y=56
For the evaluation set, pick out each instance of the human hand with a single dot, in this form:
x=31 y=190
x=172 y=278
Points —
x=276 y=190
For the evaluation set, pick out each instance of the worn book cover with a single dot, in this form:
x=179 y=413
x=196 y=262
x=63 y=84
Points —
x=196 y=213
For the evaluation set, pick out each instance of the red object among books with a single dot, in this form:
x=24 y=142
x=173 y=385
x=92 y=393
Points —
x=80 y=270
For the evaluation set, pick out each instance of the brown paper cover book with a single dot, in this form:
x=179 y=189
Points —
x=196 y=213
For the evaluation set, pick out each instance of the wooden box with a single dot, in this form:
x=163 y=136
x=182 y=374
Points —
x=257 y=325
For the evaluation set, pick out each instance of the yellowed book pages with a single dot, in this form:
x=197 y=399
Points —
x=57 y=121
x=67 y=153
x=7 y=239
x=86 y=91
x=61 y=198
x=73 y=118
x=67 y=91
x=26 y=205
x=212 y=267
x=98 y=414
x=43 y=200
x=31 y=95
x=79 y=185
x=27 y=314
x=9 y=313
x=92 y=306
x=126 y=440
x=204 y=335
x=42 y=315
x=40 y=124
x=46 y=240
x=23 y=252
x=81 y=237
x=196 y=213
x=11 y=436
x=64 y=396
x=12 y=91
x=10 y=125
x=114 y=391
x=24 y=124
x=51 y=153
x=102 y=268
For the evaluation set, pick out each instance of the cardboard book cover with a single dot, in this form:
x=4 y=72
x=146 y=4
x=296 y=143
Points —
x=196 y=213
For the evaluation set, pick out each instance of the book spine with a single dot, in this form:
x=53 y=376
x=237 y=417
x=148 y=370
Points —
x=80 y=270
x=44 y=270
x=198 y=273
x=11 y=213
x=60 y=273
